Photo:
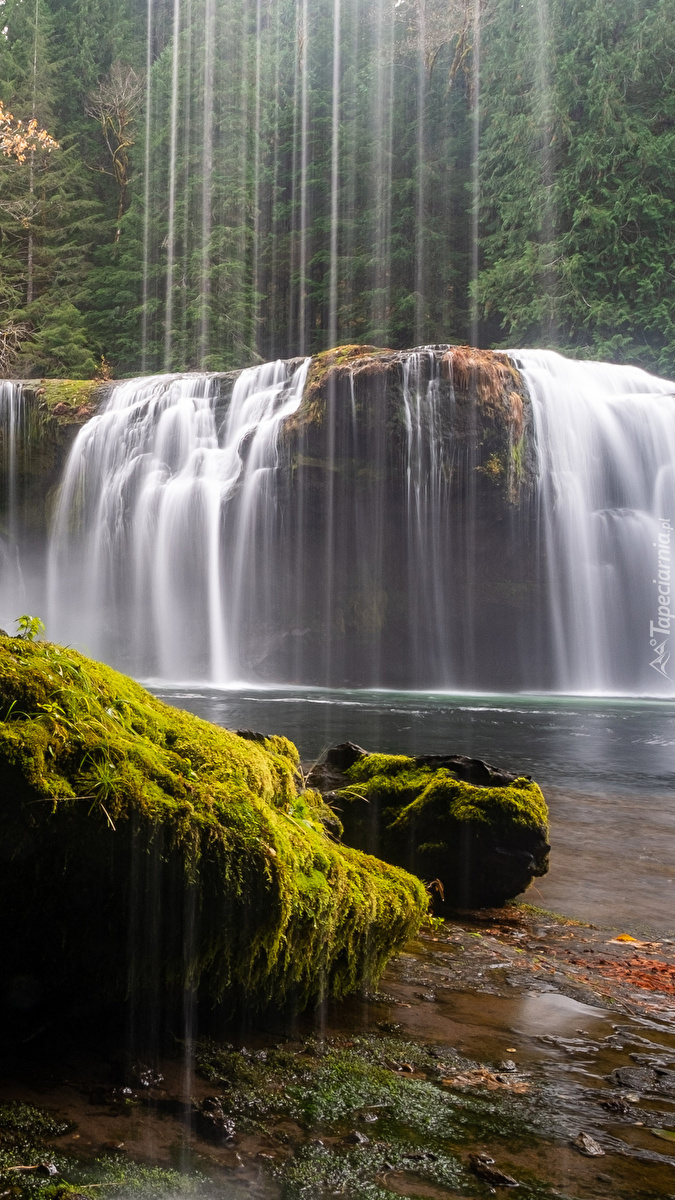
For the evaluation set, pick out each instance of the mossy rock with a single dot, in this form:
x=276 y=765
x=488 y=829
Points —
x=480 y=832
x=70 y=401
x=144 y=851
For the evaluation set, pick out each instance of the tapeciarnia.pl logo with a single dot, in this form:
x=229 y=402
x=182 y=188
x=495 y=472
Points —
x=659 y=630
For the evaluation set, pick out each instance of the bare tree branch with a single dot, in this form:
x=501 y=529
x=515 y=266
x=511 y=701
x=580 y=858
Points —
x=12 y=337
x=115 y=104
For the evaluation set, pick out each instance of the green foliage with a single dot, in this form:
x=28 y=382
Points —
x=578 y=179
x=575 y=167
x=96 y=773
x=29 y=1121
x=59 y=345
x=29 y=628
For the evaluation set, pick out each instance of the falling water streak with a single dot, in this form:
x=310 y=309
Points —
x=294 y=255
x=275 y=183
x=187 y=144
x=474 y=314
x=243 y=213
x=255 y=298
x=304 y=165
x=173 y=154
x=383 y=118
x=350 y=169
x=207 y=176
x=30 y=278
x=329 y=536
x=190 y=919
x=146 y=193
x=419 y=222
x=426 y=511
x=545 y=119
x=334 y=181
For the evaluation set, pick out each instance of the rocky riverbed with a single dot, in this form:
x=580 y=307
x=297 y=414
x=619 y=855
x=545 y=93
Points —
x=503 y=1047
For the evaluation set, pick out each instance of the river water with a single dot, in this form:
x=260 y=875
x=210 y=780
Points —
x=606 y=766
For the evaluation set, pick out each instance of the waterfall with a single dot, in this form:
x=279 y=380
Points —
x=149 y=561
x=12 y=429
x=215 y=535
x=605 y=444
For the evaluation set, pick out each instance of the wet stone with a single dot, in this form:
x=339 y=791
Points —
x=48 y=1169
x=638 y=1079
x=356 y=1138
x=146 y=1077
x=587 y=1145
x=484 y=1167
x=213 y=1122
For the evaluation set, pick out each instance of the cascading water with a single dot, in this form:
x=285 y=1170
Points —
x=605 y=442
x=211 y=538
x=148 y=558
x=426 y=500
x=12 y=431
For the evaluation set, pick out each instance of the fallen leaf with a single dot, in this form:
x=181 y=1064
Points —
x=668 y=1135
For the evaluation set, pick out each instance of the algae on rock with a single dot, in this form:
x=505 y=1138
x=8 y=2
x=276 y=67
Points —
x=145 y=851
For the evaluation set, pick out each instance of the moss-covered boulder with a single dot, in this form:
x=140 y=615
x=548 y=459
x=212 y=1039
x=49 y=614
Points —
x=480 y=832
x=144 y=851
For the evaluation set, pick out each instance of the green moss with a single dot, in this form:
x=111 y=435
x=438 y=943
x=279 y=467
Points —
x=68 y=400
x=517 y=459
x=331 y=1087
x=312 y=409
x=328 y=1086
x=559 y=918
x=24 y=1134
x=118 y=809
x=399 y=783
x=484 y=844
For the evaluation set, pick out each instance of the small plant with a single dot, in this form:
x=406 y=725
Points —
x=29 y=628
x=434 y=923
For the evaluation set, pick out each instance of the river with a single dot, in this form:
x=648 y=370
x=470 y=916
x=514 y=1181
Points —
x=606 y=766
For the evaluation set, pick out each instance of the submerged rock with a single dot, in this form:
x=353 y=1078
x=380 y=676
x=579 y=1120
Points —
x=145 y=852
x=478 y=832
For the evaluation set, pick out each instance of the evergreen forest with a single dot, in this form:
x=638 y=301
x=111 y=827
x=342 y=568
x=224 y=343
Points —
x=237 y=180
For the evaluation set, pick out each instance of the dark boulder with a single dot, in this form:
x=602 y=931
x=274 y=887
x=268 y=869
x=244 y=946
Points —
x=479 y=833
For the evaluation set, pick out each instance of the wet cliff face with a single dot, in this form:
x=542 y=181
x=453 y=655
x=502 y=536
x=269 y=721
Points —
x=389 y=539
x=50 y=414
x=402 y=551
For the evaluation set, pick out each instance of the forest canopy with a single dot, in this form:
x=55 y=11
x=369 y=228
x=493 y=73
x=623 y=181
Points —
x=237 y=180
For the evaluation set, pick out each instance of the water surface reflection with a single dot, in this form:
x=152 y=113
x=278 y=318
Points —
x=607 y=767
